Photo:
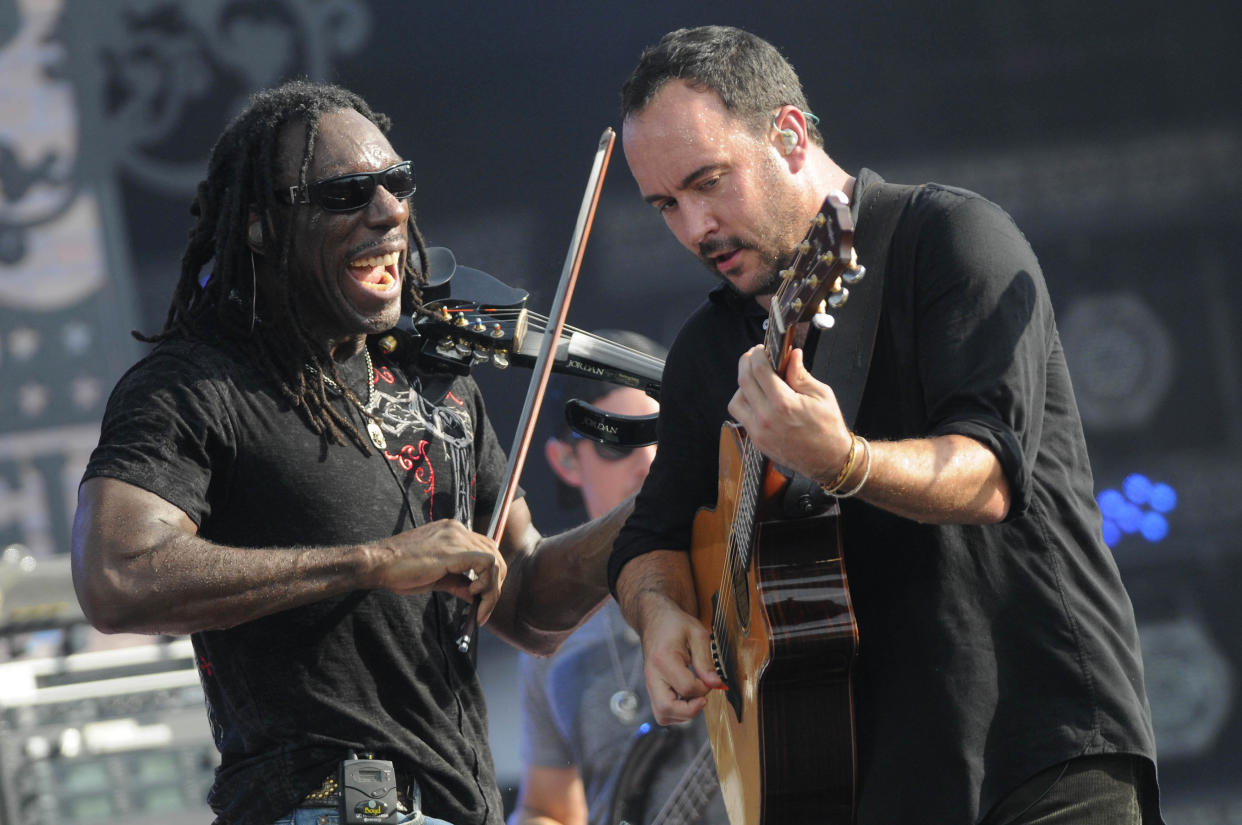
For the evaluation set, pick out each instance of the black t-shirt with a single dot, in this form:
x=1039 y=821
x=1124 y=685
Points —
x=291 y=694
x=987 y=653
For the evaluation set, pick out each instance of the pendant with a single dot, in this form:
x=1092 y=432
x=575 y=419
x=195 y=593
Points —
x=624 y=706
x=377 y=435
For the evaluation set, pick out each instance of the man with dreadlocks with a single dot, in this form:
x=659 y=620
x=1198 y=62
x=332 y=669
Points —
x=302 y=505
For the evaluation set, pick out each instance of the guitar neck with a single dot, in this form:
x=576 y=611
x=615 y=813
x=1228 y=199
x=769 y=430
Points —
x=777 y=343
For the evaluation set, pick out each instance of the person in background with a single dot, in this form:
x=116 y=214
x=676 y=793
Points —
x=589 y=750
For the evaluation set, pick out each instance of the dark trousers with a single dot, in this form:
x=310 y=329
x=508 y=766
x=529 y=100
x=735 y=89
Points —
x=1106 y=789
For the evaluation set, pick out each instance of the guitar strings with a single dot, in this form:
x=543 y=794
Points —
x=737 y=559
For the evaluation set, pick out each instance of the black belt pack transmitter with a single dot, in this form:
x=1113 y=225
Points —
x=368 y=792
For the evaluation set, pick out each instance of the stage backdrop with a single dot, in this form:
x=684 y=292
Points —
x=1110 y=131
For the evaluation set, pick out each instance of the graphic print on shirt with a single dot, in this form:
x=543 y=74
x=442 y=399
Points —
x=410 y=418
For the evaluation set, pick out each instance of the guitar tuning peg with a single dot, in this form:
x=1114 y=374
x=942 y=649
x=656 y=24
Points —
x=446 y=346
x=387 y=344
x=854 y=271
x=837 y=299
x=823 y=321
x=500 y=359
x=480 y=355
x=463 y=348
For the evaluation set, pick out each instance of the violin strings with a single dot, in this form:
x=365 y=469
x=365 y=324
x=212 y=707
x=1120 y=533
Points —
x=538 y=323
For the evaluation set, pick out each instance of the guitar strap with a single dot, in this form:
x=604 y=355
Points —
x=841 y=355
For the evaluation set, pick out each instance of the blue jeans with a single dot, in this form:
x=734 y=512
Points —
x=330 y=816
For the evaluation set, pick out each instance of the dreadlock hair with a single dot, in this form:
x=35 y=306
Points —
x=749 y=75
x=241 y=179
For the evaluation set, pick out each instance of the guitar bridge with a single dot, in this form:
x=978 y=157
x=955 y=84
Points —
x=726 y=669
x=716 y=663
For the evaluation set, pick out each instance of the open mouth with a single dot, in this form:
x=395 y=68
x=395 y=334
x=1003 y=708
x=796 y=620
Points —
x=726 y=261
x=377 y=272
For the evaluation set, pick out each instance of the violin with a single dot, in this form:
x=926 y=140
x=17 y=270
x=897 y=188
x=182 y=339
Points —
x=470 y=318
x=463 y=342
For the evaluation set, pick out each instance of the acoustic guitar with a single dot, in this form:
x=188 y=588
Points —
x=773 y=593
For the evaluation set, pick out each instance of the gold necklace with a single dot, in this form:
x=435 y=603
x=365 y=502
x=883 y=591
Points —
x=374 y=431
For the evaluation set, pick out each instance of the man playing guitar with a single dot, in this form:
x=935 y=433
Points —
x=998 y=677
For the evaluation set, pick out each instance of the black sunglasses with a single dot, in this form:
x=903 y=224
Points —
x=606 y=452
x=346 y=193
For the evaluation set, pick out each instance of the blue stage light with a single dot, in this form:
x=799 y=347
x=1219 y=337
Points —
x=1129 y=518
x=1111 y=503
x=1163 y=498
x=1138 y=508
x=1154 y=527
x=1137 y=488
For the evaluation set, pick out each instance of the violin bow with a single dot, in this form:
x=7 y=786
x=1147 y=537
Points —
x=543 y=364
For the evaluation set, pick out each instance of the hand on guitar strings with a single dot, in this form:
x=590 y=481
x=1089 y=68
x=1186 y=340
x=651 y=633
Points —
x=796 y=422
x=679 y=669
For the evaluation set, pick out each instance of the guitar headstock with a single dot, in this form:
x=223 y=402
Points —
x=822 y=268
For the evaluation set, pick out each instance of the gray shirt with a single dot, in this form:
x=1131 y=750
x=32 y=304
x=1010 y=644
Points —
x=567 y=721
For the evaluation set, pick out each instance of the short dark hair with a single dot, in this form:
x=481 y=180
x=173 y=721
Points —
x=241 y=176
x=749 y=75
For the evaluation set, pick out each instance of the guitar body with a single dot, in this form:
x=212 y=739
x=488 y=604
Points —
x=785 y=639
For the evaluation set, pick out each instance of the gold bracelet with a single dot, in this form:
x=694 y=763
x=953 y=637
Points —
x=866 y=471
x=834 y=485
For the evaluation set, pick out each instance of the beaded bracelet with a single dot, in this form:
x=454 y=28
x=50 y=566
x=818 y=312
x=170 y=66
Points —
x=866 y=471
x=834 y=485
